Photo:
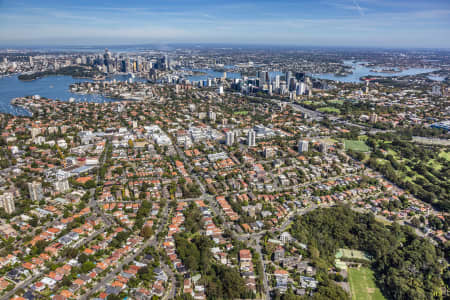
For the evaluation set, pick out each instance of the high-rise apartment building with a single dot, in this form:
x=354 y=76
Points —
x=230 y=138
x=7 y=202
x=61 y=186
x=251 y=138
x=212 y=116
x=35 y=190
x=302 y=146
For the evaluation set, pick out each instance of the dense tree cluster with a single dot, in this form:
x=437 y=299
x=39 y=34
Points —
x=193 y=219
x=221 y=282
x=75 y=71
x=406 y=266
x=427 y=182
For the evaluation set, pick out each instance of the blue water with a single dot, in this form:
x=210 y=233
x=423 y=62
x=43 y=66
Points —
x=359 y=70
x=52 y=87
x=436 y=77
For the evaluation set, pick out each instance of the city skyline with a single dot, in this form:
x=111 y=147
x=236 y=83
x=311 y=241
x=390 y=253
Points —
x=354 y=23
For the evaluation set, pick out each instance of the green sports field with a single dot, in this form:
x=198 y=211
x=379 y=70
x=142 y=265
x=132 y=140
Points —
x=356 y=146
x=242 y=112
x=329 y=110
x=362 y=285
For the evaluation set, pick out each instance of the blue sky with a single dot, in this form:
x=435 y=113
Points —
x=360 y=23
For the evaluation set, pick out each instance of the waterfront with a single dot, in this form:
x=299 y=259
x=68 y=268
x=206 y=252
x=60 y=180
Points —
x=359 y=70
x=52 y=87
x=57 y=87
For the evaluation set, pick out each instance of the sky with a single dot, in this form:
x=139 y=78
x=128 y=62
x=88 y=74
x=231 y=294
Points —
x=353 y=23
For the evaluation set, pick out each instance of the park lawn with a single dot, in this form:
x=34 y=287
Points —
x=243 y=113
x=339 y=102
x=329 y=140
x=355 y=145
x=362 y=285
x=329 y=110
x=435 y=164
x=382 y=220
x=445 y=155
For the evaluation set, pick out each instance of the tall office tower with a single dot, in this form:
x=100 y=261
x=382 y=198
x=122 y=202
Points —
x=288 y=80
x=251 y=138
x=292 y=84
x=302 y=146
x=277 y=81
x=274 y=87
x=7 y=202
x=262 y=75
x=166 y=62
x=107 y=55
x=30 y=60
x=230 y=138
x=297 y=90
x=283 y=89
x=61 y=186
x=35 y=190
x=110 y=68
x=138 y=64
x=212 y=116
x=301 y=88
x=300 y=76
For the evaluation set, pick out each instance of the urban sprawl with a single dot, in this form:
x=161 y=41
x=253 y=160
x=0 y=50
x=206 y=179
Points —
x=227 y=174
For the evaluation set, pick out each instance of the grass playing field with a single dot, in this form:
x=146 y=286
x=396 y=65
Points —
x=242 y=112
x=329 y=110
x=362 y=285
x=356 y=146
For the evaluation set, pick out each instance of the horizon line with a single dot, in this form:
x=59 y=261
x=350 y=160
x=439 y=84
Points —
x=213 y=44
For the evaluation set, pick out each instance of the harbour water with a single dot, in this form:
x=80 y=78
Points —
x=52 y=87
x=360 y=70
x=57 y=87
